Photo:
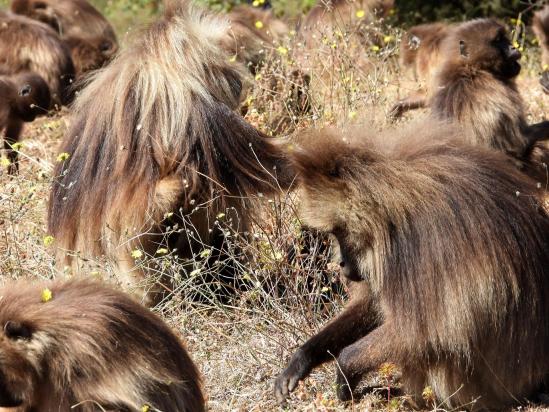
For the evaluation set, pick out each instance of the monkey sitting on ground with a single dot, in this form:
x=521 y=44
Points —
x=22 y=97
x=420 y=51
x=78 y=21
x=540 y=25
x=450 y=245
x=28 y=45
x=82 y=346
x=158 y=124
x=475 y=88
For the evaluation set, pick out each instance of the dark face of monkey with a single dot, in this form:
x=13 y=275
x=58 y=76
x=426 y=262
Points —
x=484 y=44
x=33 y=97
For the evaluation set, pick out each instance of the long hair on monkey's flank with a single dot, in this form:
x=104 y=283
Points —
x=154 y=133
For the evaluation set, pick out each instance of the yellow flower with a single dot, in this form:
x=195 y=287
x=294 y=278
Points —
x=282 y=50
x=145 y=408
x=136 y=253
x=360 y=13
x=516 y=44
x=232 y=59
x=46 y=295
x=162 y=251
x=17 y=146
x=545 y=67
x=258 y=77
x=387 y=39
x=256 y=3
x=205 y=253
x=428 y=394
x=375 y=48
x=167 y=215
x=220 y=215
x=5 y=162
x=258 y=24
x=63 y=156
x=48 y=240
x=352 y=115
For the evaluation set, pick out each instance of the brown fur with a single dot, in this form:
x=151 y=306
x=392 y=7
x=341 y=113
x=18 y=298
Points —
x=249 y=43
x=85 y=54
x=420 y=51
x=75 y=20
x=90 y=346
x=162 y=138
x=451 y=247
x=475 y=88
x=28 y=45
x=540 y=25
x=22 y=97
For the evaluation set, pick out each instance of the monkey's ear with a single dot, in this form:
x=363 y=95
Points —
x=17 y=330
x=463 y=52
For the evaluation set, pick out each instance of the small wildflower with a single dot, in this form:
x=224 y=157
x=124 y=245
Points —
x=46 y=295
x=375 y=48
x=352 y=115
x=428 y=394
x=162 y=251
x=168 y=215
x=282 y=50
x=259 y=24
x=516 y=44
x=360 y=14
x=136 y=253
x=48 y=240
x=17 y=146
x=145 y=408
x=388 y=39
x=5 y=162
x=220 y=216
x=232 y=59
x=387 y=370
x=325 y=289
x=195 y=273
x=256 y=3
x=205 y=253
x=42 y=174
x=258 y=77
x=63 y=157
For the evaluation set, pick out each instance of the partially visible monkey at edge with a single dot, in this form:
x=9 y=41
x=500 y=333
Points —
x=28 y=45
x=22 y=97
x=82 y=346
x=449 y=245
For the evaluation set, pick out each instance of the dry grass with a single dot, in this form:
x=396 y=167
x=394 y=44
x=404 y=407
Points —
x=242 y=345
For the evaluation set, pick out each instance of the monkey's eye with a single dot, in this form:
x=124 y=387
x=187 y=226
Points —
x=105 y=46
x=17 y=330
x=25 y=90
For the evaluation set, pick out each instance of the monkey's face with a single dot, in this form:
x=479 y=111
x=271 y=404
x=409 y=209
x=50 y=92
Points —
x=485 y=44
x=17 y=372
x=33 y=97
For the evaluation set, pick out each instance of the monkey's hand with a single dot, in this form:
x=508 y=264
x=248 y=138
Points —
x=347 y=377
x=299 y=367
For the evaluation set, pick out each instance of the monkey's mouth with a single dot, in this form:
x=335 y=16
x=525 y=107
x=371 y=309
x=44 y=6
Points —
x=544 y=81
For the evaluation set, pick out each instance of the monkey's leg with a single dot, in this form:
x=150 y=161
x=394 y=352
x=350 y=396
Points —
x=360 y=358
x=416 y=100
x=13 y=131
x=356 y=321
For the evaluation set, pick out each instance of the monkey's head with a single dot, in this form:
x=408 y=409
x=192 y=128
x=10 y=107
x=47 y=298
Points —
x=332 y=169
x=483 y=44
x=90 y=55
x=21 y=354
x=33 y=96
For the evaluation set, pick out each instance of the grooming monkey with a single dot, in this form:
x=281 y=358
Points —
x=164 y=134
x=448 y=243
x=83 y=346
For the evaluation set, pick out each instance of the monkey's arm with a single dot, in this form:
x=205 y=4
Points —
x=357 y=320
x=416 y=100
